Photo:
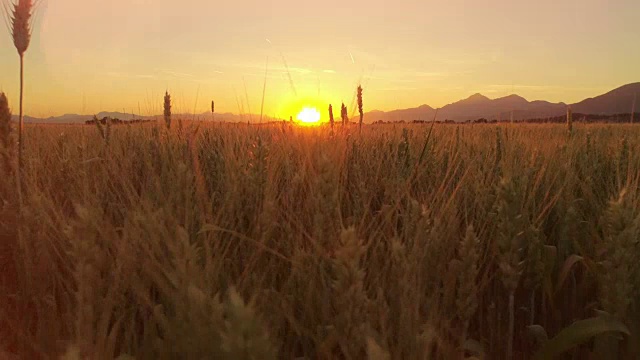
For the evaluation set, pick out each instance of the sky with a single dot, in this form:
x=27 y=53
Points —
x=88 y=56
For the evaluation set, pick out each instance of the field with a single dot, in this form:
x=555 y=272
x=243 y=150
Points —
x=261 y=242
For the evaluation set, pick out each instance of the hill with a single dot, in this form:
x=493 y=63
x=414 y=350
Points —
x=617 y=101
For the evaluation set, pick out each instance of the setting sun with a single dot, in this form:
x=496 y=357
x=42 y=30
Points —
x=309 y=116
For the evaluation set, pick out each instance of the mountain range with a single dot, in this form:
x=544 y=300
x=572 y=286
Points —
x=79 y=119
x=618 y=101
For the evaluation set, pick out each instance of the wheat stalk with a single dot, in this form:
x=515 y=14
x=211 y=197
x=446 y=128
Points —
x=633 y=107
x=21 y=25
x=6 y=139
x=167 y=109
x=213 y=110
x=344 y=115
x=331 y=120
x=569 y=119
x=621 y=229
x=511 y=232
x=264 y=90
x=350 y=297
x=21 y=33
x=360 y=106
x=107 y=132
x=99 y=126
x=467 y=299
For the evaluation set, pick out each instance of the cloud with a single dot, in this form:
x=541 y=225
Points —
x=397 y=89
x=270 y=75
x=259 y=68
x=300 y=70
x=176 y=74
x=520 y=86
x=515 y=87
x=431 y=74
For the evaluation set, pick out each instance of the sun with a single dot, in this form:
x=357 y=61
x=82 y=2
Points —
x=309 y=116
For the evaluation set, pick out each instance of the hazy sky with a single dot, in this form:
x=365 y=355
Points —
x=93 y=55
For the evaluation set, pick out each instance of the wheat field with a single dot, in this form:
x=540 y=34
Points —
x=229 y=241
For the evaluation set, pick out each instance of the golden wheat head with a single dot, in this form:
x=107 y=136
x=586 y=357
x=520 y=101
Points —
x=167 y=109
x=21 y=24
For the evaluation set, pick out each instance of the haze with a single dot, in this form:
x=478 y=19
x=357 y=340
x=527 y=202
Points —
x=121 y=55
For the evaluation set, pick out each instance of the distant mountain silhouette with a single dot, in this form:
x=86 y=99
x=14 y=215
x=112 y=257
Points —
x=423 y=112
x=476 y=106
x=76 y=118
x=81 y=119
x=479 y=106
x=618 y=101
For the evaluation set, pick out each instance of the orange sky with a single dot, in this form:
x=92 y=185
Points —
x=115 y=55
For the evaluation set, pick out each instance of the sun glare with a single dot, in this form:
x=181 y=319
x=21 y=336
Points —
x=309 y=116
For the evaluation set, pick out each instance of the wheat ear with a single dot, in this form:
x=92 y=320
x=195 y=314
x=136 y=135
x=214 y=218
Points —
x=21 y=33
